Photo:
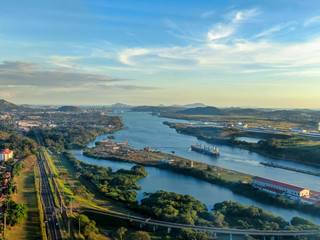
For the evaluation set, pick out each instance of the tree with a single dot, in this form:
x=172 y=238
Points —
x=16 y=214
x=121 y=231
x=188 y=234
x=88 y=227
x=140 y=235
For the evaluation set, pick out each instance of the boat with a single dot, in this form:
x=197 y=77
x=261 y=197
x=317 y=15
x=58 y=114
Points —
x=211 y=151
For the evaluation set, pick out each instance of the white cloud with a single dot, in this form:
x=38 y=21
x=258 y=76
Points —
x=220 y=31
x=241 y=56
x=126 y=55
x=311 y=21
x=269 y=31
x=243 y=15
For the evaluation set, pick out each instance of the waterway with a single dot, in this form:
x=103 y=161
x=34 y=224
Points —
x=249 y=139
x=147 y=130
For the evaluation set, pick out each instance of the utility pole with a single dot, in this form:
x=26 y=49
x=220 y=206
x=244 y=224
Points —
x=79 y=224
x=4 y=225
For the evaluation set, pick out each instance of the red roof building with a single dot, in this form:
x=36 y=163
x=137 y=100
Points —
x=6 y=154
x=280 y=187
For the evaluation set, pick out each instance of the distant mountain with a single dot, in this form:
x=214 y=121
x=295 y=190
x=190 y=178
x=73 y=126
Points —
x=120 y=105
x=156 y=109
x=69 y=109
x=202 y=111
x=8 y=106
x=194 y=105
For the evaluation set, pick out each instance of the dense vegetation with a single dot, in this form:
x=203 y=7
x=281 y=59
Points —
x=22 y=146
x=169 y=206
x=69 y=109
x=237 y=215
x=116 y=185
x=173 y=207
x=88 y=227
x=202 y=111
x=78 y=130
x=15 y=213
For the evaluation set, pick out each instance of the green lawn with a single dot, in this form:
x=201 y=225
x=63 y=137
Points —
x=30 y=228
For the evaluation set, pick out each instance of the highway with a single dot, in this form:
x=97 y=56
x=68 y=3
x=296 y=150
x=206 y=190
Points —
x=47 y=199
x=172 y=225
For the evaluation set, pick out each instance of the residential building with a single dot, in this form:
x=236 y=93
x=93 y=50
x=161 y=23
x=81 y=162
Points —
x=6 y=154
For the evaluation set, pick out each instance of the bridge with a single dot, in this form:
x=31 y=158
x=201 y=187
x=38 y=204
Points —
x=170 y=225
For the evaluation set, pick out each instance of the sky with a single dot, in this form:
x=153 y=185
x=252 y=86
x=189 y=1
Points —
x=222 y=53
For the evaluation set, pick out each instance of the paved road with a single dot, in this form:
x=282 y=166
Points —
x=203 y=228
x=48 y=201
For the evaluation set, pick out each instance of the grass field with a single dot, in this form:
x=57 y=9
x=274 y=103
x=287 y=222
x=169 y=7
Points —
x=30 y=228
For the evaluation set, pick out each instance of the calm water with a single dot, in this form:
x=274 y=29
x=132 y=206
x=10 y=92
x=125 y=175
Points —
x=147 y=130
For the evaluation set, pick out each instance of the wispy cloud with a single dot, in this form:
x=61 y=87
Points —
x=25 y=74
x=220 y=31
x=224 y=30
x=269 y=31
x=245 y=14
x=314 y=20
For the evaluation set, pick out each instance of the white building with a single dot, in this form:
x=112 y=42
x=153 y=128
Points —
x=280 y=188
x=168 y=161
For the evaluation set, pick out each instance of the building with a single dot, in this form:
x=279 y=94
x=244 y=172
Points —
x=299 y=130
x=241 y=125
x=168 y=161
x=6 y=154
x=280 y=188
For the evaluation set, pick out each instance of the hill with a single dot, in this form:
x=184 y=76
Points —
x=202 y=111
x=120 y=105
x=7 y=106
x=69 y=109
x=156 y=109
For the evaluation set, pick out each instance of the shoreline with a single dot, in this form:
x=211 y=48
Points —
x=247 y=146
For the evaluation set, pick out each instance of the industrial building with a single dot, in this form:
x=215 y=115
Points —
x=280 y=188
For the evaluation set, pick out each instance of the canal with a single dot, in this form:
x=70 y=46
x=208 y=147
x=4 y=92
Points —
x=147 y=130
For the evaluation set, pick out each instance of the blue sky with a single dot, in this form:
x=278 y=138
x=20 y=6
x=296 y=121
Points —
x=221 y=53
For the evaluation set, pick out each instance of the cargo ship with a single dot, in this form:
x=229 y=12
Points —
x=211 y=151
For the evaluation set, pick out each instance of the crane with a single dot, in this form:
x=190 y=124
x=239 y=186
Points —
x=124 y=144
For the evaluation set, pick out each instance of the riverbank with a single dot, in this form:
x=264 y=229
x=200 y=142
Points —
x=290 y=169
x=205 y=173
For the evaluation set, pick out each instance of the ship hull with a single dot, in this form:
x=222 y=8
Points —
x=204 y=151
